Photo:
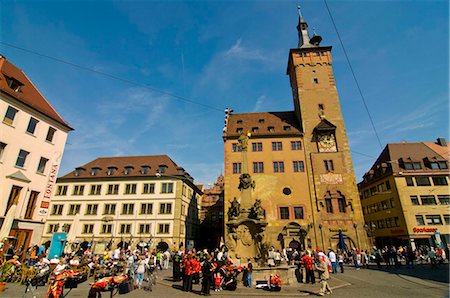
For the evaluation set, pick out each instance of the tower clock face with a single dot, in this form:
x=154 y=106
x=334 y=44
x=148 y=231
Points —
x=327 y=143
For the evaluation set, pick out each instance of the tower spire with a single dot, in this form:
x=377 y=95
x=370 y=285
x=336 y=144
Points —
x=304 y=41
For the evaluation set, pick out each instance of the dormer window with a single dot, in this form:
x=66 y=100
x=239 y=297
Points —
x=94 y=171
x=261 y=121
x=79 y=171
x=271 y=129
x=438 y=165
x=128 y=169
x=180 y=171
x=255 y=129
x=239 y=130
x=239 y=122
x=286 y=128
x=162 y=169
x=145 y=169
x=412 y=166
x=14 y=84
x=111 y=171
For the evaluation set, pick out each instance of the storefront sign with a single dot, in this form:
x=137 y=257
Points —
x=336 y=230
x=424 y=230
x=45 y=203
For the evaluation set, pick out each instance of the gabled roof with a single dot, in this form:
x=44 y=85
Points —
x=120 y=162
x=394 y=154
x=325 y=125
x=263 y=124
x=28 y=93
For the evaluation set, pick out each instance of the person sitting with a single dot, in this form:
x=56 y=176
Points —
x=275 y=282
x=55 y=260
x=230 y=282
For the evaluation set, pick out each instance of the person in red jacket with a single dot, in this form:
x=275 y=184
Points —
x=187 y=274
x=196 y=268
x=308 y=263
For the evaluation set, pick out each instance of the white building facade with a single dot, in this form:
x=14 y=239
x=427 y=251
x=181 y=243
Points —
x=123 y=201
x=32 y=141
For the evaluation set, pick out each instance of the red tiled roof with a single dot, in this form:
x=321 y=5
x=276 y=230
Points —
x=28 y=94
x=263 y=124
x=120 y=162
x=392 y=155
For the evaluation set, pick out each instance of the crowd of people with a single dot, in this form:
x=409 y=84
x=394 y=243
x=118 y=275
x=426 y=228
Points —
x=214 y=269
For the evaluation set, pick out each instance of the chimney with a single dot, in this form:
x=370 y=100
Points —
x=441 y=142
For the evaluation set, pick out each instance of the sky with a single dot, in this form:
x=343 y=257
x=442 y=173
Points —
x=160 y=56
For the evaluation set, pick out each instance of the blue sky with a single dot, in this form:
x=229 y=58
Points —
x=225 y=54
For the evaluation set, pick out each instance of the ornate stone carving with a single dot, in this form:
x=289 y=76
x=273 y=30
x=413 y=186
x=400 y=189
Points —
x=234 y=210
x=331 y=178
x=246 y=181
x=257 y=212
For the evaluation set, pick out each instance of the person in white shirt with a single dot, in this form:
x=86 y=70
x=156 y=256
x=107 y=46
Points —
x=60 y=267
x=74 y=262
x=116 y=254
x=333 y=260
x=55 y=260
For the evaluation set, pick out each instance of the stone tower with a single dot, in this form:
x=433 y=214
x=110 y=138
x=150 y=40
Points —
x=333 y=191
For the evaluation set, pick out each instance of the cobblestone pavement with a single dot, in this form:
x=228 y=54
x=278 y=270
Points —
x=422 y=281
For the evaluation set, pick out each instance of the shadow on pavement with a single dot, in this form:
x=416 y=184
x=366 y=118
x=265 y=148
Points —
x=423 y=271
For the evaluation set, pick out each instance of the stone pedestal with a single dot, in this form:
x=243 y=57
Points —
x=286 y=273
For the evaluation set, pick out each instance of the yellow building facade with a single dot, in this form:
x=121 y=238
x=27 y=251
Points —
x=300 y=160
x=406 y=197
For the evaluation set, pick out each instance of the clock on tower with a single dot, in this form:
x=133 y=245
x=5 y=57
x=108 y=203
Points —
x=326 y=143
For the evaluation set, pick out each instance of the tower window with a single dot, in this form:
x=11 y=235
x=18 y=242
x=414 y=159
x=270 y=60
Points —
x=316 y=81
x=328 y=164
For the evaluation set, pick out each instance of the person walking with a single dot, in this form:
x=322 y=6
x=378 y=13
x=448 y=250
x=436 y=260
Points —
x=308 y=262
x=341 y=261
x=324 y=275
x=176 y=266
x=249 y=273
x=432 y=256
x=188 y=274
x=207 y=269
x=141 y=266
x=333 y=260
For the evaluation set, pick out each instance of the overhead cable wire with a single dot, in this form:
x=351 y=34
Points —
x=354 y=76
x=114 y=77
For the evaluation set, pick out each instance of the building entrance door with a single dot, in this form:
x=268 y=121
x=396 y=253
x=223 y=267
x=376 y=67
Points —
x=22 y=239
x=293 y=236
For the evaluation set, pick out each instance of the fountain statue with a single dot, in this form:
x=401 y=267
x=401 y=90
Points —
x=246 y=218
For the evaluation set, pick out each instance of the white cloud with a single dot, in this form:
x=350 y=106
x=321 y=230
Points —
x=259 y=104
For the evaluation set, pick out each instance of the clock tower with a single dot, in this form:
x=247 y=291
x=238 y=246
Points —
x=332 y=189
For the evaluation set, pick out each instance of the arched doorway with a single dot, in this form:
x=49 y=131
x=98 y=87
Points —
x=292 y=235
x=162 y=246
